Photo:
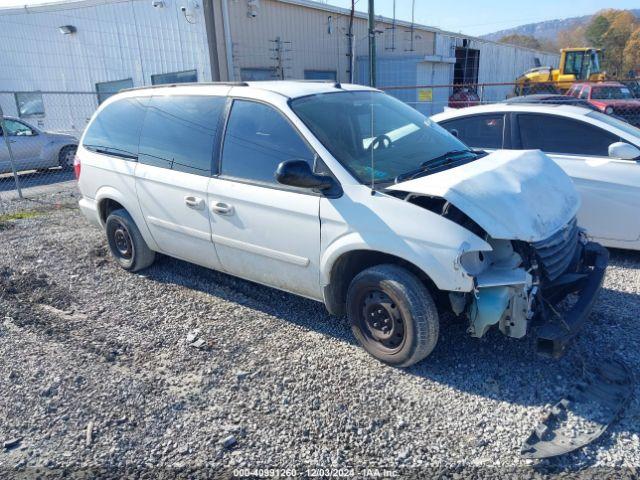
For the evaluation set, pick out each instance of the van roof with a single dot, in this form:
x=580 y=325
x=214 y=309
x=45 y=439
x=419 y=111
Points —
x=287 y=88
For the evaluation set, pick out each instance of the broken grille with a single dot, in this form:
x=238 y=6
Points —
x=556 y=252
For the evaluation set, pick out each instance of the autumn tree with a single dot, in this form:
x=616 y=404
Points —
x=615 y=39
x=572 y=37
x=526 y=41
x=632 y=53
x=611 y=30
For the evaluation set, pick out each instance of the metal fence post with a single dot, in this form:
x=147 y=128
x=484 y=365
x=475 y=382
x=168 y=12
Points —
x=11 y=159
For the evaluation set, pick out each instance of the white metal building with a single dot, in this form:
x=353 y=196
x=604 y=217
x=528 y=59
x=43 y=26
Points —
x=105 y=45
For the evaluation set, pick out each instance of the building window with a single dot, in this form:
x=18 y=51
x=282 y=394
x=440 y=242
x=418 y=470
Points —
x=188 y=76
x=107 y=89
x=320 y=75
x=29 y=104
x=248 y=74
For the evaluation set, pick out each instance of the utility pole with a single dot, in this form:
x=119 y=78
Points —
x=372 y=45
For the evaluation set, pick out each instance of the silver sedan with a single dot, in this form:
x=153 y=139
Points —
x=34 y=149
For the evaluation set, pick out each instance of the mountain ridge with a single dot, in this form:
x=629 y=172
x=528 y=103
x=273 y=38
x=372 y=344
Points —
x=546 y=30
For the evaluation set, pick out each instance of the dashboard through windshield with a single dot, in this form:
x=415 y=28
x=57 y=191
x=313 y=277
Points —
x=375 y=136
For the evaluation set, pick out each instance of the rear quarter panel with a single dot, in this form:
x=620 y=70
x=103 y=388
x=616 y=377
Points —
x=104 y=177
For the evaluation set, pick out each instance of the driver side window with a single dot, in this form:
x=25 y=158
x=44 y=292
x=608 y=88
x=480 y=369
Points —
x=15 y=128
x=258 y=138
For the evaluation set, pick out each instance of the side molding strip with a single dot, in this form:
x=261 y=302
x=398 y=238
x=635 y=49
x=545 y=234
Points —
x=192 y=232
x=258 y=250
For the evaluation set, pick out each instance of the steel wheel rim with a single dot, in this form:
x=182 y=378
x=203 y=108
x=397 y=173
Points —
x=382 y=322
x=122 y=241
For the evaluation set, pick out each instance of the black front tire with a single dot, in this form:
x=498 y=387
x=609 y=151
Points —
x=392 y=315
x=126 y=243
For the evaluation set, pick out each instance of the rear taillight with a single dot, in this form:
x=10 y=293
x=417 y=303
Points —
x=76 y=166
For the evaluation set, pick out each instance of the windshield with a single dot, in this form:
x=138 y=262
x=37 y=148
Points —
x=375 y=136
x=614 y=122
x=610 y=93
x=582 y=64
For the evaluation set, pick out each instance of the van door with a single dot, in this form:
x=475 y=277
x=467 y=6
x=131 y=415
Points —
x=174 y=168
x=264 y=231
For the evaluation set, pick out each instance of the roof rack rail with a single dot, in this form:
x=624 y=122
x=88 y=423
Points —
x=320 y=80
x=191 y=84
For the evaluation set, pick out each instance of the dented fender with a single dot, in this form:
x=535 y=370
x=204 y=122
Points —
x=395 y=227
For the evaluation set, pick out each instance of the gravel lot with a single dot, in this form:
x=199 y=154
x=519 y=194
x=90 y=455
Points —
x=181 y=369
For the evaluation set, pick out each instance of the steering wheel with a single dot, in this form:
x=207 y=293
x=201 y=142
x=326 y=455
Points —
x=380 y=142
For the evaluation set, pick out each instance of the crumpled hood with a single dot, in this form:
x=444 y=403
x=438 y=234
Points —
x=511 y=194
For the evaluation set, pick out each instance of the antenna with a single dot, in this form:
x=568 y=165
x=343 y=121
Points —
x=372 y=148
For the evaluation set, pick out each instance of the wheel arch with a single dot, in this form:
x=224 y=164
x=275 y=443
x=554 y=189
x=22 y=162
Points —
x=350 y=263
x=109 y=199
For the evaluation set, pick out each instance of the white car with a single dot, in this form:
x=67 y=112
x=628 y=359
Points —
x=345 y=195
x=600 y=153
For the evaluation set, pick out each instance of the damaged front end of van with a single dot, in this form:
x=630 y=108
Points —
x=538 y=272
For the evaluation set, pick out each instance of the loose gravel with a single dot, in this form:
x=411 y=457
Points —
x=184 y=371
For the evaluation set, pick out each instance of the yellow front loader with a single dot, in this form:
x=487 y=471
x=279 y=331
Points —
x=576 y=65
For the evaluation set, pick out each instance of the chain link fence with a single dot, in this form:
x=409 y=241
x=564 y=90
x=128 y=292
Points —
x=40 y=130
x=39 y=133
x=618 y=98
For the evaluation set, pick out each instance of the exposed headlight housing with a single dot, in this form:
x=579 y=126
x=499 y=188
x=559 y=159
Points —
x=474 y=263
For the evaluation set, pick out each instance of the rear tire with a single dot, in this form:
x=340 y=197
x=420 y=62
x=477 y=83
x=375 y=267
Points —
x=126 y=243
x=392 y=315
x=66 y=157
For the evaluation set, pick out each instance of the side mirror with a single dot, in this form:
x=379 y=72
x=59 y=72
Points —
x=298 y=173
x=623 y=151
x=454 y=132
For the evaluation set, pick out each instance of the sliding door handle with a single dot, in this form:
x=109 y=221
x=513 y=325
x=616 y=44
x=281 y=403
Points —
x=194 y=202
x=222 y=208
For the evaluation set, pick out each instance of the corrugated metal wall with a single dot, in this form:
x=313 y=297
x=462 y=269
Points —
x=114 y=41
x=131 y=39
x=313 y=39
x=499 y=63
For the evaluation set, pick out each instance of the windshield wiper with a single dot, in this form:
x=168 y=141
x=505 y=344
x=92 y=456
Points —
x=433 y=164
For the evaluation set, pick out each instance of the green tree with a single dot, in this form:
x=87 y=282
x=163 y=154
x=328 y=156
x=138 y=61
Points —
x=596 y=30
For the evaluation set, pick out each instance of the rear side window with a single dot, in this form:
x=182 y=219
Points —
x=480 y=131
x=554 y=134
x=179 y=132
x=257 y=139
x=116 y=129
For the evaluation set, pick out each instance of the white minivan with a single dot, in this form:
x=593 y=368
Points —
x=345 y=195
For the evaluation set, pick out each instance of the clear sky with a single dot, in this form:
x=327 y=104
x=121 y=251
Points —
x=474 y=17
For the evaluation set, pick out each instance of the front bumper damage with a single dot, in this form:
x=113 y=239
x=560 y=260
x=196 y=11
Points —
x=518 y=295
x=557 y=329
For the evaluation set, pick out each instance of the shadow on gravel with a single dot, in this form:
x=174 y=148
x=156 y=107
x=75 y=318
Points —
x=496 y=367
x=624 y=258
